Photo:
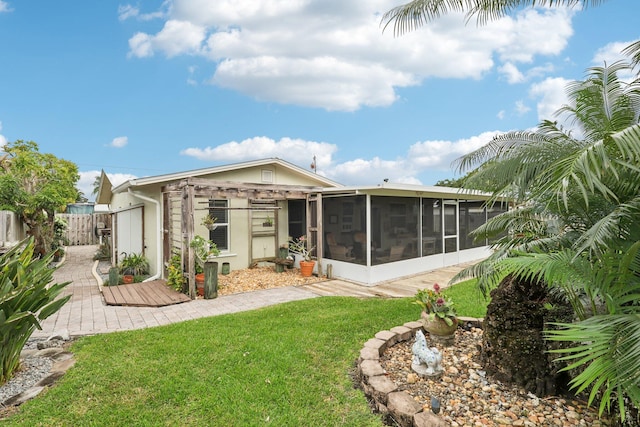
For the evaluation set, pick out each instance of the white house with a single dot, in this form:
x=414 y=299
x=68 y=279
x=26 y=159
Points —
x=367 y=234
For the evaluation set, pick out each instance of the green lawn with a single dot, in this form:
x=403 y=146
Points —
x=467 y=298
x=286 y=365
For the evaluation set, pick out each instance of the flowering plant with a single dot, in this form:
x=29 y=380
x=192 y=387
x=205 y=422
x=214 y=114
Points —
x=435 y=304
x=299 y=246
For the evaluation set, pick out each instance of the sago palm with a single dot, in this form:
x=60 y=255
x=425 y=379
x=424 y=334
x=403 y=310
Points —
x=575 y=225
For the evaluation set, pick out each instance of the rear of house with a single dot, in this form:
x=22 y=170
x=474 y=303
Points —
x=368 y=234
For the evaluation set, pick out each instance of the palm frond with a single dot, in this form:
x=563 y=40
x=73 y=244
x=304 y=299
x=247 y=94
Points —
x=415 y=14
x=607 y=232
x=506 y=145
x=610 y=350
x=485 y=271
x=627 y=143
x=633 y=51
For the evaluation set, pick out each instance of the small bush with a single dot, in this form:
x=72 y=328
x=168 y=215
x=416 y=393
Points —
x=25 y=300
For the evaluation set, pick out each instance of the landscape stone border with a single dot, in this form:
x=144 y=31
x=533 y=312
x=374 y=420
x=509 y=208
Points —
x=383 y=392
x=62 y=361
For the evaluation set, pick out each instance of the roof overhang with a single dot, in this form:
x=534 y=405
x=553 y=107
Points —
x=173 y=177
x=104 y=191
x=407 y=190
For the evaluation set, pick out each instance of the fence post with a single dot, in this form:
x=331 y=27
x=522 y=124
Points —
x=210 y=280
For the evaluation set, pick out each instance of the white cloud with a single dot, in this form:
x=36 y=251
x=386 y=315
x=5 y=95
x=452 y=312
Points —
x=373 y=171
x=333 y=55
x=551 y=95
x=175 y=38
x=438 y=154
x=512 y=73
x=295 y=150
x=140 y=45
x=318 y=82
x=118 y=178
x=191 y=81
x=119 y=142
x=425 y=156
x=522 y=108
x=3 y=140
x=87 y=178
x=128 y=12
x=535 y=32
x=611 y=53
x=501 y=114
x=179 y=37
x=4 y=7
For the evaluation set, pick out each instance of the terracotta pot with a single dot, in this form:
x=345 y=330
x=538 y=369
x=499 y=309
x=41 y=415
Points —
x=306 y=268
x=127 y=279
x=438 y=326
x=439 y=331
x=200 y=284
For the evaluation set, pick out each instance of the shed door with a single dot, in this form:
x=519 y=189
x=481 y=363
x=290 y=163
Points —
x=129 y=232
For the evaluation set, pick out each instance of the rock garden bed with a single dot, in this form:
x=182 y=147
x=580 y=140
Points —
x=467 y=396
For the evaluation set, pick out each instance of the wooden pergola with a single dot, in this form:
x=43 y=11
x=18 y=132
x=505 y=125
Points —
x=180 y=200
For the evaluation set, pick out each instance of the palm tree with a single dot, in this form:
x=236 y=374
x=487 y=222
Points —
x=575 y=226
x=417 y=13
x=96 y=185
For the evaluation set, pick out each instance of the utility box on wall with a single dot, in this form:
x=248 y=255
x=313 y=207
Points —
x=11 y=229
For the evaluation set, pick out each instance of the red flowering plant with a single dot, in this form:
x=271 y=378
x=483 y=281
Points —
x=436 y=304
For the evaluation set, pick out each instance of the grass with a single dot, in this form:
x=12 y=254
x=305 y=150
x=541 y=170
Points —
x=467 y=298
x=286 y=365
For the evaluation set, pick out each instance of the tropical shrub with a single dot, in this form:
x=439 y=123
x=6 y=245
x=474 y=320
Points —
x=26 y=299
x=175 y=275
x=134 y=264
x=575 y=228
x=59 y=240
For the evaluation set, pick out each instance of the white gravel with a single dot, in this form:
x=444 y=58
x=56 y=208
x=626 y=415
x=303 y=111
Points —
x=32 y=370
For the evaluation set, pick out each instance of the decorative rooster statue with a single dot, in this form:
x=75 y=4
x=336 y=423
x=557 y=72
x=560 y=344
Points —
x=423 y=355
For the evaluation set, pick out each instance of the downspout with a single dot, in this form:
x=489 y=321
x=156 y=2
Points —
x=159 y=232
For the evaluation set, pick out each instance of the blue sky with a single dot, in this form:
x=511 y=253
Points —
x=155 y=87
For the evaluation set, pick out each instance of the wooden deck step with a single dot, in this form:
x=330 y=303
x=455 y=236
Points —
x=341 y=288
x=146 y=294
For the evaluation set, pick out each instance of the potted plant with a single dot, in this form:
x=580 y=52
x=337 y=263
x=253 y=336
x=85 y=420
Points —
x=268 y=222
x=209 y=222
x=203 y=249
x=300 y=247
x=133 y=265
x=438 y=315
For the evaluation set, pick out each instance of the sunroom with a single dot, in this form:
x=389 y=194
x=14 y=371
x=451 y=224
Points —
x=375 y=234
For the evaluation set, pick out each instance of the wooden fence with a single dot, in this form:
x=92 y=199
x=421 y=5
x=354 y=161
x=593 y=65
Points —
x=85 y=229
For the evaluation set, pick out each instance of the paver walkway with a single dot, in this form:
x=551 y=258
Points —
x=86 y=313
